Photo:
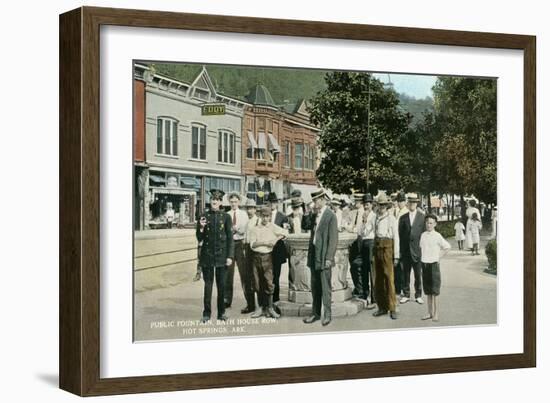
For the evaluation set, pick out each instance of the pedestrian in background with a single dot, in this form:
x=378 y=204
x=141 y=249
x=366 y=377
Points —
x=473 y=228
x=459 y=234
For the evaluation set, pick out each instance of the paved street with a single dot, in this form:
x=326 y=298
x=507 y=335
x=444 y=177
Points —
x=168 y=303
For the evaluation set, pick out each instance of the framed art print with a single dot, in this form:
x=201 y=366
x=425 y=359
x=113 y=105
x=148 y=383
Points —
x=251 y=201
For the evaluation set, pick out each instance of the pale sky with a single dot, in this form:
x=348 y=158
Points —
x=413 y=85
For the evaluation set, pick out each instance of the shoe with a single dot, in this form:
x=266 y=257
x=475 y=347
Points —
x=223 y=317
x=326 y=321
x=205 y=319
x=404 y=300
x=270 y=309
x=379 y=313
x=311 y=319
x=393 y=315
x=247 y=310
x=197 y=276
x=371 y=306
x=258 y=313
x=427 y=317
x=419 y=300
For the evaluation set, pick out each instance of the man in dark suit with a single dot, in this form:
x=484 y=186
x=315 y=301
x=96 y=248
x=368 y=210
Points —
x=279 y=254
x=323 y=242
x=411 y=227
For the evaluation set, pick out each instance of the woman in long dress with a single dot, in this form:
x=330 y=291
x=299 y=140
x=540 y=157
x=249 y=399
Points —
x=473 y=227
x=470 y=211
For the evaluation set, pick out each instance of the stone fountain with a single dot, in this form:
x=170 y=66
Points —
x=299 y=288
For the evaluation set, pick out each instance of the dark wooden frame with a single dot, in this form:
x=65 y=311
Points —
x=79 y=201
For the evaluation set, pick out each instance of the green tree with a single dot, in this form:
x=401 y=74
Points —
x=465 y=127
x=360 y=152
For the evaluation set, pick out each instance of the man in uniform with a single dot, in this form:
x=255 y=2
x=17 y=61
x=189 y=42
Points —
x=214 y=230
x=323 y=242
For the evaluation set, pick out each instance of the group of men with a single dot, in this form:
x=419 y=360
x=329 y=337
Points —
x=254 y=242
x=388 y=235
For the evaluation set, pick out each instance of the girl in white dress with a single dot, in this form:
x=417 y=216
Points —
x=459 y=234
x=473 y=227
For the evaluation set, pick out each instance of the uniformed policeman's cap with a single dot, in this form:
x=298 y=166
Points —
x=217 y=194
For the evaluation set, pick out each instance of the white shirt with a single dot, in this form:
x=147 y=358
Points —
x=386 y=227
x=252 y=222
x=366 y=229
x=297 y=224
x=412 y=215
x=265 y=233
x=431 y=244
x=273 y=215
x=317 y=220
x=241 y=222
x=339 y=218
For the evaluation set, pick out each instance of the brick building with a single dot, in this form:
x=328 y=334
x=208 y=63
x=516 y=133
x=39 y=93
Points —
x=279 y=147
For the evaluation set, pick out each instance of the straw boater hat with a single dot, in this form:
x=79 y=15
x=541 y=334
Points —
x=413 y=197
x=318 y=193
x=336 y=201
x=217 y=194
x=358 y=196
x=383 y=199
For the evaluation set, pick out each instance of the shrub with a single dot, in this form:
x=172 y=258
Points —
x=446 y=228
x=491 y=252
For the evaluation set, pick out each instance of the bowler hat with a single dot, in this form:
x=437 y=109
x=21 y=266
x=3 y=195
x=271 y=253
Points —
x=367 y=198
x=272 y=198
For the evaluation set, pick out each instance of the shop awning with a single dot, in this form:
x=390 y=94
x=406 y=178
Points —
x=252 y=140
x=171 y=191
x=262 y=143
x=158 y=179
x=190 y=182
x=273 y=145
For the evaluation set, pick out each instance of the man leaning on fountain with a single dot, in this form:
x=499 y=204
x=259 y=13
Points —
x=323 y=242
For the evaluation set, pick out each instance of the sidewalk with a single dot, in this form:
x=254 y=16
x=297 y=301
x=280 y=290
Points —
x=468 y=297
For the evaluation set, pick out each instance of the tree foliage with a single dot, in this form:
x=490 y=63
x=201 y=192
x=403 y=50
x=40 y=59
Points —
x=465 y=125
x=351 y=140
